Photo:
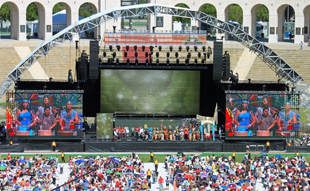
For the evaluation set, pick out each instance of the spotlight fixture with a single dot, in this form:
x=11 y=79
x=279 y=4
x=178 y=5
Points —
x=143 y=48
x=195 y=48
x=199 y=54
x=159 y=48
x=151 y=48
x=171 y=48
x=118 y=47
x=110 y=47
x=176 y=54
x=146 y=54
x=178 y=61
x=168 y=54
x=167 y=61
x=135 y=47
x=157 y=54
x=157 y=61
x=104 y=54
x=187 y=48
x=204 y=48
x=127 y=47
x=180 y=48
x=125 y=54
x=136 y=54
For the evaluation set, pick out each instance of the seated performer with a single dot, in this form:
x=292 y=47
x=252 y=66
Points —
x=287 y=118
x=68 y=118
x=165 y=133
x=170 y=132
x=26 y=118
x=47 y=120
x=245 y=118
x=186 y=133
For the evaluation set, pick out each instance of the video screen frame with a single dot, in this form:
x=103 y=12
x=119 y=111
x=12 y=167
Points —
x=36 y=114
x=169 y=100
x=262 y=114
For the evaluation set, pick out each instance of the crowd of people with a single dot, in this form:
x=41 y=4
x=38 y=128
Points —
x=31 y=173
x=189 y=172
x=182 y=132
x=223 y=173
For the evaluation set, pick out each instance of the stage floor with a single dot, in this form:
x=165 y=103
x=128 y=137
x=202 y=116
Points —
x=156 y=146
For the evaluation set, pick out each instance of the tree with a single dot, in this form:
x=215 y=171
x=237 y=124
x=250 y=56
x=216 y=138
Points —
x=236 y=14
x=58 y=7
x=5 y=12
x=262 y=13
x=32 y=12
x=182 y=19
x=86 y=10
x=209 y=9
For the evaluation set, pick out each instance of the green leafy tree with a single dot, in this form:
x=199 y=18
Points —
x=32 y=12
x=58 y=7
x=86 y=10
x=182 y=19
x=209 y=9
x=236 y=14
x=262 y=13
x=5 y=12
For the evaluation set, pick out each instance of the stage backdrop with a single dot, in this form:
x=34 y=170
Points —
x=104 y=125
x=44 y=115
x=150 y=91
x=262 y=114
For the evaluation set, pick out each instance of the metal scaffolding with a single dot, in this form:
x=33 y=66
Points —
x=274 y=61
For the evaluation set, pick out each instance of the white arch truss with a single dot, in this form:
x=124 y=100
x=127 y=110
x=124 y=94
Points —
x=272 y=59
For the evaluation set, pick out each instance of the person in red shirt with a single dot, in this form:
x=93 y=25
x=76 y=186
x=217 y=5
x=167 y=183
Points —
x=9 y=156
x=161 y=182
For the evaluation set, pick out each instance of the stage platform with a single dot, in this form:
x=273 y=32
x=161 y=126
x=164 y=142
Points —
x=15 y=148
x=156 y=146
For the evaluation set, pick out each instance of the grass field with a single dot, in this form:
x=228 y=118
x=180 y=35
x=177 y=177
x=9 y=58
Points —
x=160 y=157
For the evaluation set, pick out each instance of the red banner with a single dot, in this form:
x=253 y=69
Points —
x=149 y=39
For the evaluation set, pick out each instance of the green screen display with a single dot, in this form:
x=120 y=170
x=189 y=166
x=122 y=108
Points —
x=104 y=125
x=150 y=91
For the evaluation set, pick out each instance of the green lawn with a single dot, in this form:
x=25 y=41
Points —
x=160 y=157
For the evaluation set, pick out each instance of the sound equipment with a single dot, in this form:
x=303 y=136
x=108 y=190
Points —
x=217 y=60
x=82 y=67
x=93 y=60
x=226 y=67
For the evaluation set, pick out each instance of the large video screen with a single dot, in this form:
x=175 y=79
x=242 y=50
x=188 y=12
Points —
x=262 y=115
x=104 y=125
x=37 y=115
x=150 y=91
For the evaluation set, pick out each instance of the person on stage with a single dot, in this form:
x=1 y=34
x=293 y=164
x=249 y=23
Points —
x=287 y=118
x=26 y=118
x=265 y=121
x=47 y=120
x=68 y=118
x=46 y=103
x=265 y=104
x=245 y=118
